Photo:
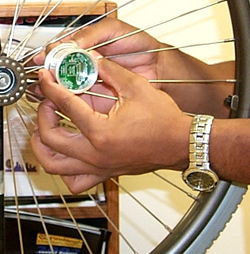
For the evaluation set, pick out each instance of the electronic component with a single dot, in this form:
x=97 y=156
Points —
x=72 y=67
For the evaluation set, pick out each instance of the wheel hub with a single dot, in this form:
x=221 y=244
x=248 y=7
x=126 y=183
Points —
x=12 y=81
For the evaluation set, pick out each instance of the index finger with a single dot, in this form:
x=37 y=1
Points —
x=69 y=104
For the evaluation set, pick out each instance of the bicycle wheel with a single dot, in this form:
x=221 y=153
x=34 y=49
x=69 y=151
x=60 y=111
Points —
x=206 y=214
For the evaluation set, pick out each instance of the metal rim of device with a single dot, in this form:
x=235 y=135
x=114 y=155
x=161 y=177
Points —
x=55 y=63
x=12 y=81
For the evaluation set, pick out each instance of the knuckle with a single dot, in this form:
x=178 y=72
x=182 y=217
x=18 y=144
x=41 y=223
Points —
x=44 y=139
x=50 y=167
x=100 y=140
x=74 y=190
x=102 y=143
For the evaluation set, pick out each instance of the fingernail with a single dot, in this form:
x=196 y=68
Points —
x=99 y=57
x=96 y=55
x=38 y=60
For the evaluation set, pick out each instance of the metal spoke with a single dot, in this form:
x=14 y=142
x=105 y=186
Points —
x=38 y=22
x=14 y=181
x=34 y=96
x=101 y=95
x=176 y=186
x=76 y=19
x=17 y=12
x=19 y=108
x=171 y=48
x=195 y=81
x=33 y=68
x=31 y=187
x=90 y=22
x=39 y=49
x=143 y=206
x=154 y=25
x=185 y=81
x=112 y=223
x=71 y=216
x=21 y=111
x=9 y=40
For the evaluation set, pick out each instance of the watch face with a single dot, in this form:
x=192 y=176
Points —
x=201 y=181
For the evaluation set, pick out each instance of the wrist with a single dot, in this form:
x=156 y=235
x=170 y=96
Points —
x=180 y=149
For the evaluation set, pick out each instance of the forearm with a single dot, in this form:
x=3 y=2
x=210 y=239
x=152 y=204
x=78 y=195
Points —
x=206 y=98
x=230 y=148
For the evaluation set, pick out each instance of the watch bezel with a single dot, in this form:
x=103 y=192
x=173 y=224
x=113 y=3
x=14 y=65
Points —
x=209 y=172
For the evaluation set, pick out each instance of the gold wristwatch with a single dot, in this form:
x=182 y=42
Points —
x=199 y=175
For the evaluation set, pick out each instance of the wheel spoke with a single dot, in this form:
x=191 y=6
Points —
x=71 y=216
x=10 y=134
x=185 y=81
x=38 y=22
x=13 y=135
x=189 y=194
x=11 y=32
x=112 y=223
x=39 y=49
x=90 y=22
x=9 y=40
x=171 y=48
x=76 y=19
x=21 y=111
x=143 y=206
x=137 y=31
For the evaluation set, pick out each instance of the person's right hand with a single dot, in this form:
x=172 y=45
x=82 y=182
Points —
x=143 y=131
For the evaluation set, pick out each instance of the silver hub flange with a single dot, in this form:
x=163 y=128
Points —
x=13 y=81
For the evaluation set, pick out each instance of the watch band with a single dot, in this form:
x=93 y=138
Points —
x=199 y=176
x=199 y=141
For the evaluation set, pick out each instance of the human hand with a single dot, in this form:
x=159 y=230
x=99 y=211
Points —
x=161 y=65
x=143 y=131
x=143 y=64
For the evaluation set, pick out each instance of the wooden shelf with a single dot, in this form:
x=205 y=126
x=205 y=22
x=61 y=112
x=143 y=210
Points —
x=66 y=8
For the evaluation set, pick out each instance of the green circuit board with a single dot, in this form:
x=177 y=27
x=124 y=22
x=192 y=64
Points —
x=77 y=71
